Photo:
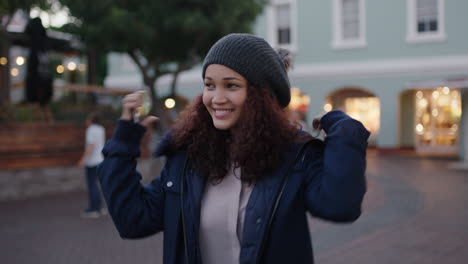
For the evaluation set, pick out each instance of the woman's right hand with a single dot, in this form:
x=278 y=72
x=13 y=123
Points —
x=132 y=101
x=316 y=122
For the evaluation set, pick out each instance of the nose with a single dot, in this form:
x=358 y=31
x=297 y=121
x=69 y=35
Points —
x=219 y=97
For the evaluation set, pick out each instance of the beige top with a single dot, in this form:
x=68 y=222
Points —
x=222 y=219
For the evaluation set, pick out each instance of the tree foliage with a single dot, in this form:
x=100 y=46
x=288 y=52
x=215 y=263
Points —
x=160 y=36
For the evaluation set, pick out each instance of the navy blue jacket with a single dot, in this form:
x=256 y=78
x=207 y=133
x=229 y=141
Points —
x=324 y=178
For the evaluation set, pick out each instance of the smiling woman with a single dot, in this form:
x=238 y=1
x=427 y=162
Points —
x=224 y=95
x=239 y=178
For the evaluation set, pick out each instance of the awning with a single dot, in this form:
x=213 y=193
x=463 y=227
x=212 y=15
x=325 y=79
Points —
x=56 y=41
x=453 y=82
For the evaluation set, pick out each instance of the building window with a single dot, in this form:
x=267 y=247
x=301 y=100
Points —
x=425 y=21
x=282 y=27
x=426 y=15
x=349 y=22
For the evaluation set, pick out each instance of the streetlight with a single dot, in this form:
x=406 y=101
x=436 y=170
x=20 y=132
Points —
x=20 y=60
x=71 y=66
x=170 y=103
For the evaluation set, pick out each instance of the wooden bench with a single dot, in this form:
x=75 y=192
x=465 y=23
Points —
x=36 y=145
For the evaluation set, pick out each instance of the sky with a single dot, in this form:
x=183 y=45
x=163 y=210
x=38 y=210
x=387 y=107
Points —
x=56 y=18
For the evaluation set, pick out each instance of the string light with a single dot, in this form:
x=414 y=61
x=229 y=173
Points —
x=60 y=69
x=14 y=72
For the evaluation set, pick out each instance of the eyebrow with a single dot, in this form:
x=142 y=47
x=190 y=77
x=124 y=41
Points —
x=225 y=79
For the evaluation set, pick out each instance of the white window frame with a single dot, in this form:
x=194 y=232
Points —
x=338 y=41
x=413 y=36
x=272 y=22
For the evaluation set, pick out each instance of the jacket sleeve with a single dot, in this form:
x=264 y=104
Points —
x=137 y=210
x=335 y=182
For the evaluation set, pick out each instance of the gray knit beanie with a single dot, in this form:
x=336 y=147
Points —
x=254 y=59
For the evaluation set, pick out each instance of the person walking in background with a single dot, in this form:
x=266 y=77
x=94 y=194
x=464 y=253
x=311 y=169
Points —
x=239 y=178
x=91 y=158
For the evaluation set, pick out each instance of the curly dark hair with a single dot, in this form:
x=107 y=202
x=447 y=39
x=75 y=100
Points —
x=255 y=144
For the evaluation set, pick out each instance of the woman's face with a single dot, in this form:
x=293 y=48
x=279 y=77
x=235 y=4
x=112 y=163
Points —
x=224 y=95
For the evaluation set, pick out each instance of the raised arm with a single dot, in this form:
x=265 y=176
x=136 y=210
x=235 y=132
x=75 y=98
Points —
x=137 y=210
x=335 y=182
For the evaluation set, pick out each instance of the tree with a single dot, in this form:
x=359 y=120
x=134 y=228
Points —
x=161 y=36
x=7 y=10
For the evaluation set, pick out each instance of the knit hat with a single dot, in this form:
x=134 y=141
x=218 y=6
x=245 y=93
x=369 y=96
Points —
x=254 y=59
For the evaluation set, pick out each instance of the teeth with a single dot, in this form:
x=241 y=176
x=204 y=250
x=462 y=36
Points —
x=223 y=111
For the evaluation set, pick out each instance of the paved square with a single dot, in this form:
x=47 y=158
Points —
x=415 y=211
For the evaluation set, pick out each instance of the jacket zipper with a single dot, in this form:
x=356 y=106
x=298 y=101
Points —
x=283 y=186
x=182 y=180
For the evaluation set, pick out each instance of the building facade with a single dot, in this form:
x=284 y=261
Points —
x=401 y=67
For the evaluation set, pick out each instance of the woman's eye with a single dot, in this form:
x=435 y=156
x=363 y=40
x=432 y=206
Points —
x=209 y=86
x=232 y=86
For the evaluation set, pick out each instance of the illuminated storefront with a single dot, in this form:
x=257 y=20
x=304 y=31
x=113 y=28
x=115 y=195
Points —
x=299 y=101
x=297 y=108
x=360 y=105
x=366 y=110
x=437 y=120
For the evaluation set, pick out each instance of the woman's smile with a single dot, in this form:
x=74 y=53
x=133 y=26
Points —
x=222 y=113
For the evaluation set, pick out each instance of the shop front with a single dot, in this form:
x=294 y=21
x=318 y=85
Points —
x=437 y=120
x=360 y=105
x=298 y=107
x=439 y=125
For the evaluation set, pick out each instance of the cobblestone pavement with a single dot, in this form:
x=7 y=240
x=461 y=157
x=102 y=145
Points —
x=415 y=211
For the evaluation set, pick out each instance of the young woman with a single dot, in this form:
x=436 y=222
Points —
x=239 y=177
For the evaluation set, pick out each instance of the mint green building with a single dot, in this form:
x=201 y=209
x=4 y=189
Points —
x=401 y=67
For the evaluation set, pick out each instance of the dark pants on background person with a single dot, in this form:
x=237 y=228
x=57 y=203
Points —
x=94 y=193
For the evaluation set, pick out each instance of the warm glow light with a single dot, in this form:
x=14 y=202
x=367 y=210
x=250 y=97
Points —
x=327 y=107
x=20 y=60
x=438 y=123
x=170 y=103
x=82 y=67
x=295 y=101
x=419 y=128
x=366 y=110
x=71 y=66
x=60 y=69
x=419 y=95
x=299 y=101
x=422 y=103
x=3 y=61
x=14 y=72
x=445 y=90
